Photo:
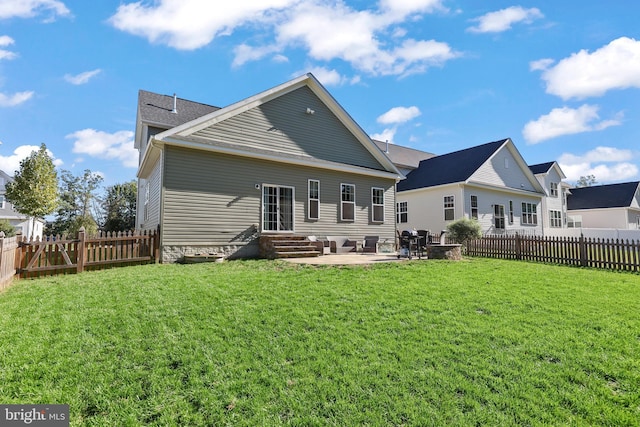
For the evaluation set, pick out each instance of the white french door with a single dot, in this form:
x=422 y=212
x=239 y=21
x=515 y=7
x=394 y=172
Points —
x=277 y=208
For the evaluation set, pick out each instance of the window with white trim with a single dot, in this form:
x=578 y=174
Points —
x=529 y=214
x=2 y=202
x=402 y=212
x=449 y=208
x=347 y=202
x=313 y=205
x=377 y=204
x=555 y=218
x=554 y=189
x=498 y=217
x=474 y=207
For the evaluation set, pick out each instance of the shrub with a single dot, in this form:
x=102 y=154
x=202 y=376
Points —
x=464 y=229
x=9 y=230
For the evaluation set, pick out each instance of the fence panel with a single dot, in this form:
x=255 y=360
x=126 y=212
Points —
x=61 y=255
x=8 y=247
x=613 y=254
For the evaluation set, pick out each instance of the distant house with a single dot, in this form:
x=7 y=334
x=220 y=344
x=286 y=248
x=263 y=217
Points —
x=286 y=161
x=605 y=206
x=490 y=182
x=554 y=205
x=20 y=222
x=406 y=159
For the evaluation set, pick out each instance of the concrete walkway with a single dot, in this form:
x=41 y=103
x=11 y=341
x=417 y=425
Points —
x=346 y=259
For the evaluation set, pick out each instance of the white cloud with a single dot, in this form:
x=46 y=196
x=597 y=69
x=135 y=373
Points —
x=607 y=164
x=31 y=8
x=584 y=74
x=363 y=38
x=399 y=115
x=540 y=64
x=82 y=78
x=6 y=54
x=10 y=164
x=501 y=20
x=566 y=121
x=328 y=77
x=191 y=24
x=103 y=145
x=15 y=99
x=385 y=135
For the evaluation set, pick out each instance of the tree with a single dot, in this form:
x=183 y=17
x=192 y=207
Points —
x=464 y=230
x=34 y=190
x=119 y=207
x=586 y=181
x=77 y=203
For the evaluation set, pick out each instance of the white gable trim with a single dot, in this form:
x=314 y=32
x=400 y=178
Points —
x=508 y=143
x=312 y=83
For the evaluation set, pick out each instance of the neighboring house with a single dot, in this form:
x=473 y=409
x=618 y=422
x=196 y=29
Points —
x=22 y=223
x=490 y=183
x=605 y=206
x=406 y=159
x=554 y=205
x=289 y=160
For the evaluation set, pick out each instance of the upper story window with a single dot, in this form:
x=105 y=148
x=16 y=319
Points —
x=474 y=207
x=2 y=202
x=402 y=212
x=314 y=199
x=449 y=208
x=377 y=204
x=529 y=214
x=347 y=202
x=554 y=189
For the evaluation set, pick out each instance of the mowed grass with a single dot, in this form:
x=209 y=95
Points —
x=476 y=342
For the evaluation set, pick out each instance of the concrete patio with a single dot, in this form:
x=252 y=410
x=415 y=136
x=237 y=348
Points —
x=346 y=259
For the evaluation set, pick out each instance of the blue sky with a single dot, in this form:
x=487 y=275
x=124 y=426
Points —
x=560 y=78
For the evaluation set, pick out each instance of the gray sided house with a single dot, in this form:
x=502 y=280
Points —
x=22 y=223
x=287 y=161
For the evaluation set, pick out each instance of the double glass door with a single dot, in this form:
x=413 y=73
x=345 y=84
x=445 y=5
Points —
x=277 y=208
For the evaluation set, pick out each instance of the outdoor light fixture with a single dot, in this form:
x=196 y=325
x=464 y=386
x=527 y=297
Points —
x=310 y=111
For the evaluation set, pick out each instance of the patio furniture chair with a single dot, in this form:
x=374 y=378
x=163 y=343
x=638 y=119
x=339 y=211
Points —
x=370 y=244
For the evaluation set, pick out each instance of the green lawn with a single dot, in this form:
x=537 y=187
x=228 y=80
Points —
x=476 y=342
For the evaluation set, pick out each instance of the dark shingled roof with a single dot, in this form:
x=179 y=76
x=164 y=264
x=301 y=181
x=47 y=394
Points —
x=541 y=167
x=156 y=110
x=449 y=168
x=602 y=196
x=403 y=156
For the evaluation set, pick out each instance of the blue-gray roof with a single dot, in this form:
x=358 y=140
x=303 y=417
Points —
x=603 y=196
x=449 y=168
x=541 y=167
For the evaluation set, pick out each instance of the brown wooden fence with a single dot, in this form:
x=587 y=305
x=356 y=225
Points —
x=8 y=246
x=63 y=255
x=613 y=254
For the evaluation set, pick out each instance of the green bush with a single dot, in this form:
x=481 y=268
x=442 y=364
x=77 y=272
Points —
x=9 y=230
x=464 y=229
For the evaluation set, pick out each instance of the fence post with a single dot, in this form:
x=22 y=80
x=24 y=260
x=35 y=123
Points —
x=156 y=245
x=518 y=246
x=583 y=250
x=80 y=251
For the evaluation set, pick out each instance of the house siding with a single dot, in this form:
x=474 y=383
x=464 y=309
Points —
x=494 y=172
x=426 y=208
x=211 y=201
x=154 y=182
x=283 y=126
